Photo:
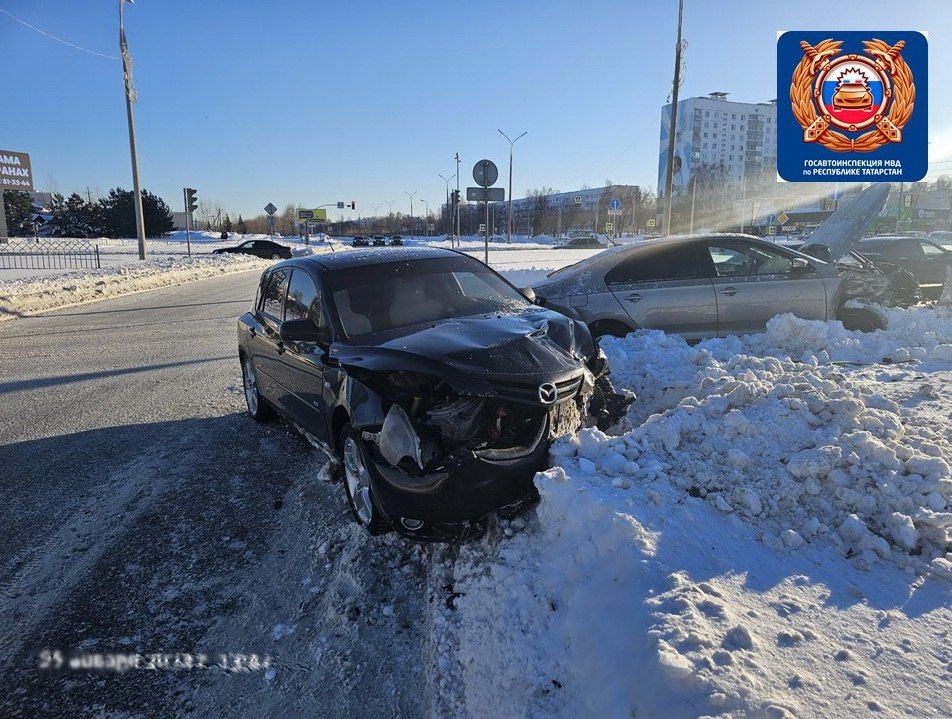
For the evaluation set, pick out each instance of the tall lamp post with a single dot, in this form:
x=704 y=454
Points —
x=390 y=215
x=449 y=220
x=410 y=195
x=509 y=220
x=672 y=130
x=131 y=98
x=426 y=221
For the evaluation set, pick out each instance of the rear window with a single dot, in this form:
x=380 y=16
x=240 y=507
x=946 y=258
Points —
x=656 y=263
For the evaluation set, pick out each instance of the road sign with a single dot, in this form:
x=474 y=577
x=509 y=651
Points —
x=270 y=209
x=651 y=223
x=313 y=215
x=772 y=230
x=482 y=227
x=578 y=199
x=609 y=226
x=615 y=204
x=614 y=213
x=782 y=218
x=15 y=171
x=486 y=194
x=485 y=173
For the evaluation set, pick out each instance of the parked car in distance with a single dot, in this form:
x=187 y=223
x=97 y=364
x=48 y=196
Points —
x=360 y=241
x=697 y=286
x=396 y=241
x=378 y=241
x=436 y=383
x=925 y=258
x=590 y=242
x=259 y=248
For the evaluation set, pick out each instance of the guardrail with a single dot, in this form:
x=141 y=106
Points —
x=49 y=255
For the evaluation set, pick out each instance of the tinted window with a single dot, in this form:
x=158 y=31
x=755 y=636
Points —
x=931 y=250
x=303 y=301
x=658 y=263
x=377 y=298
x=273 y=299
x=737 y=260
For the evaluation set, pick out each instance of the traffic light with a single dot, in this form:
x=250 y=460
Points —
x=353 y=204
x=454 y=195
x=191 y=200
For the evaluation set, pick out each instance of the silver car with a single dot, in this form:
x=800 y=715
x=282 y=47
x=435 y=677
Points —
x=696 y=286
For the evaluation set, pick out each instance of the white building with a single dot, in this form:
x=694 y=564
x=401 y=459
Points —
x=738 y=139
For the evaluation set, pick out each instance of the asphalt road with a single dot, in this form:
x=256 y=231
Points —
x=142 y=511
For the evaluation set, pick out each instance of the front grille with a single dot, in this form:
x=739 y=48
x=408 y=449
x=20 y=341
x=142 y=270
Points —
x=528 y=393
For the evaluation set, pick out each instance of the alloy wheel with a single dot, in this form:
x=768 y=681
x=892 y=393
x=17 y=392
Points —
x=358 y=481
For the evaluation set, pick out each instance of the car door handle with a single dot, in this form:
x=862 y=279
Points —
x=634 y=297
x=729 y=291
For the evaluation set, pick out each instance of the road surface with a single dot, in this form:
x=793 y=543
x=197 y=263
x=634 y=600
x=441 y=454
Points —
x=144 y=512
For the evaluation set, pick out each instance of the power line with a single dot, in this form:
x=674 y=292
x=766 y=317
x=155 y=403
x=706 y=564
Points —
x=57 y=39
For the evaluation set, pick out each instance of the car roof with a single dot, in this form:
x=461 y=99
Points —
x=353 y=258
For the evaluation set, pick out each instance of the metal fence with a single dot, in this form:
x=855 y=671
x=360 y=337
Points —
x=49 y=255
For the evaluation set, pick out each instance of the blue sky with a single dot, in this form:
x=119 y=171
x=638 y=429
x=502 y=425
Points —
x=311 y=102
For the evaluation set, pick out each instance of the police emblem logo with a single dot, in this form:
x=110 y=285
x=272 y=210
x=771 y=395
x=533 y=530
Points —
x=852 y=106
x=832 y=95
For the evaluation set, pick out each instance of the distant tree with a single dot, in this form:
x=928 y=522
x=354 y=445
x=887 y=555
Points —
x=226 y=224
x=240 y=226
x=118 y=214
x=72 y=217
x=19 y=208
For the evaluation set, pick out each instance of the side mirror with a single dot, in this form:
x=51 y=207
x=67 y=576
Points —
x=528 y=293
x=303 y=331
x=800 y=266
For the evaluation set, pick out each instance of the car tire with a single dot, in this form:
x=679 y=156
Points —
x=358 y=489
x=258 y=408
x=611 y=328
x=861 y=319
x=275 y=256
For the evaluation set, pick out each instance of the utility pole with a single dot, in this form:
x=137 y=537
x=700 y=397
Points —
x=449 y=208
x=899 y=210
x=410 y=195
x=675 y=86
x=390 y=215
x=509 y=221
x=457 y=200
x=131 y=98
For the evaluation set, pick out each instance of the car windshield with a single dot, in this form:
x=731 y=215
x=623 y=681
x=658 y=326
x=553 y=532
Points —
x=383 y=297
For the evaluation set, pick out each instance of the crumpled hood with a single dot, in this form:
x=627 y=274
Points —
x=845 y=227
x=470 y=351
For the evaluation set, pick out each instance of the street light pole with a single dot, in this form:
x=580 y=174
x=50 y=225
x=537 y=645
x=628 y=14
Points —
x=449 y=209
x=390 y=215
x=457 y=201
x=410 y=195
x=131 y=98
x=672 y=130
x=426 y=221
x=509 y=220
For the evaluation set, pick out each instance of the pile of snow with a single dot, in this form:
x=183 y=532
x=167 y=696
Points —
x=801 y=447
x=768 y=536
x=38 y=294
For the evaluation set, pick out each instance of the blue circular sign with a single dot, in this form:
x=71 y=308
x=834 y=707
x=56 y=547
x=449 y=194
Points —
x=615 y=204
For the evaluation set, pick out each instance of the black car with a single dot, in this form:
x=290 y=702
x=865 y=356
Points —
x=259 y=248
x=360 y=241
x=926 y=259
x=378 y=241
x=436 y=383
x=396 y=241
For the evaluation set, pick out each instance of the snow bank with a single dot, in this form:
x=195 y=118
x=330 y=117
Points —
x=39 y=294
x=768 y=536
x=803 y=448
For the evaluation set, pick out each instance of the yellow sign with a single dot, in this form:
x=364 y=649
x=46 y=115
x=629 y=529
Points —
x=651 y=223
x=609 y=226
x=782 y=218
x=313 y=215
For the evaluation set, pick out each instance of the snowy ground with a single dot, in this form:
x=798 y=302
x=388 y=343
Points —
x=767 y=536
x=29 y=291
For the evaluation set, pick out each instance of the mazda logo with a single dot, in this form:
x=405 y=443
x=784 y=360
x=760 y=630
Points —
x=547 y=393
